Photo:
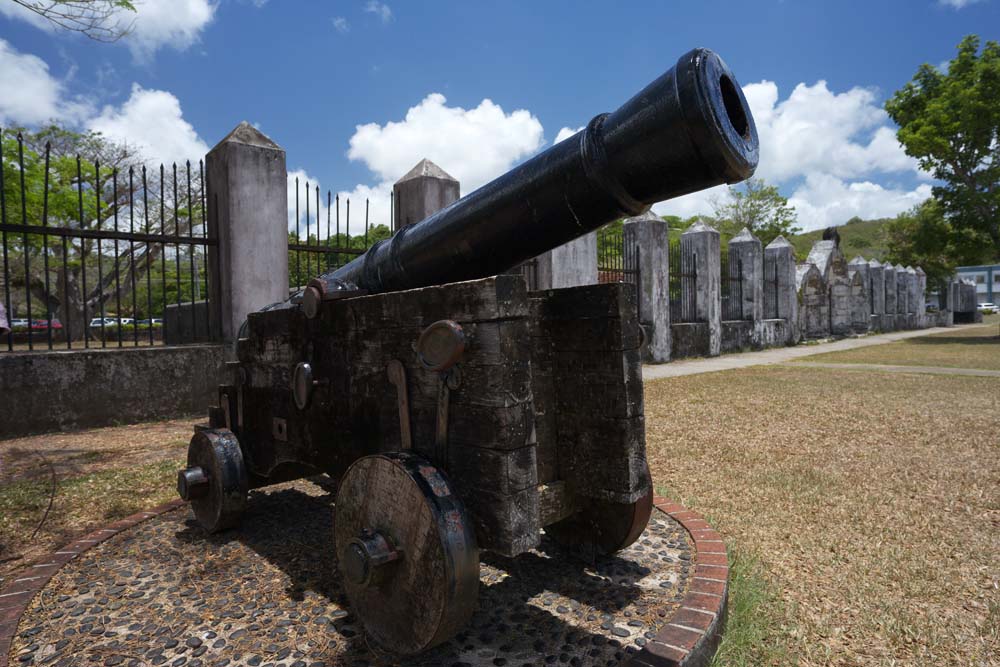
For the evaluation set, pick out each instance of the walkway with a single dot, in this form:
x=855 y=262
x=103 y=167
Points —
x=782 y=354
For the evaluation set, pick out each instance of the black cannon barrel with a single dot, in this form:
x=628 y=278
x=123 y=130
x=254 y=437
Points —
x=688 y=130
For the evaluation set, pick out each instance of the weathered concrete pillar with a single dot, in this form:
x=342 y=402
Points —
x=860 y=310
x=860 y=265
x=914 y=306
x=650 y=235
x=889 y=321
x=921 y=297
x=248 y=214
x=424 y=190
x=700 y=247
x=569 y=265
x=876 y=276
x=780 y=255
x=747 y=249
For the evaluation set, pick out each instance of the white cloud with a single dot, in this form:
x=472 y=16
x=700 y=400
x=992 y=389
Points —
x=154 y=24
x=825 y=200
x=380 y=9
x=473 y=145
x=32 y=95
x=957 y=4
x=565 y=133
x=351 y=221
x=152 y=120
x=341 y=24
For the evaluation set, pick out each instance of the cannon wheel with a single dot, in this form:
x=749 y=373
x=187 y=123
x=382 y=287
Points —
x=406 y=552
x=215 y=480
x=602 y=528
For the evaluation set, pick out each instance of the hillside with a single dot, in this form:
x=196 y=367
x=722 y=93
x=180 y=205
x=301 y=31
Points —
x=857 y=237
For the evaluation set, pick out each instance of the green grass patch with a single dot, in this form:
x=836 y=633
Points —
x=755 y=632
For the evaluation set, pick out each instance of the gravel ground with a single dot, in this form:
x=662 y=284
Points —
x=872 y=501
x=266 y=594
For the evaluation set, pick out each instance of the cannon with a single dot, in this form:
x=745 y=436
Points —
x=456 y=411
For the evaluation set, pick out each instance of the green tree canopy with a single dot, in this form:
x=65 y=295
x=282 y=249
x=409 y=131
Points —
x=950 y=121
x=758 y=207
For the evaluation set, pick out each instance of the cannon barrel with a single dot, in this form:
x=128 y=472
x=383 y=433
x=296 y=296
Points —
x=688 y=130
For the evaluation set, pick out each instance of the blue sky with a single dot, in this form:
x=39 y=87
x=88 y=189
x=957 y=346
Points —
x=359 y=91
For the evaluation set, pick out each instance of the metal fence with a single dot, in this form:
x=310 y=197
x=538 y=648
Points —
x=325 y=250
x=731 y=285
x=770 y=288
x=95 y=247
x=683 y=279
x=617 y=259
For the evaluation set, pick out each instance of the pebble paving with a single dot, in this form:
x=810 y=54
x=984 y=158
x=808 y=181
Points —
x=268 y=595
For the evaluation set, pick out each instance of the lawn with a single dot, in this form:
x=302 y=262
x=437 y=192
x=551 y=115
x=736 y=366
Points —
x=966 y=347
x=56 y=487
x=862 y=511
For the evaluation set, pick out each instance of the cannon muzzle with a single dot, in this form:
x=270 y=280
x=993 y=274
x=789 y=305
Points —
x=688 y=130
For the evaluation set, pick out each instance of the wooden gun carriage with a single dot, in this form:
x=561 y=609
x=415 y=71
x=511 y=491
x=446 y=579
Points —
x=456 y=410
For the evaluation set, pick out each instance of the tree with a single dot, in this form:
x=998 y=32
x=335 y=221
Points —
x=756 y=206
x=99 y=20
x=92 y=183
x=924 y=237
x=950 y=122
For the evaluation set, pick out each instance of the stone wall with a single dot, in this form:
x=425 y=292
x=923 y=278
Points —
x=52 y=391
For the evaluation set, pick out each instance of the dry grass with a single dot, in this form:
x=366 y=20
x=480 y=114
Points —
x=871 y=502
x=100 y=475
x=968 y=347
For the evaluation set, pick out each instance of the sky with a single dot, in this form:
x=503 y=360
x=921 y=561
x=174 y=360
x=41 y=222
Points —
x=358 y=91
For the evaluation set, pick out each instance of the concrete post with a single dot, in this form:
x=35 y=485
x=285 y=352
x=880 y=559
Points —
x=569 y=265
x=650 y=234
x=700 y=248
x=913 y=307
x=876 y=285
x=781 y=254
x=901 y=297
x=424 y=190
x=747 y=249
x=921 y=297
x=248 y=214
x=889 y=321
x=860 y=265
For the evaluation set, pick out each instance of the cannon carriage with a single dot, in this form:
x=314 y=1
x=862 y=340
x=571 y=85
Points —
x=456 y=410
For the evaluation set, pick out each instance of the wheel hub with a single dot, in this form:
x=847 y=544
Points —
x=192 y=483
x=366 y=556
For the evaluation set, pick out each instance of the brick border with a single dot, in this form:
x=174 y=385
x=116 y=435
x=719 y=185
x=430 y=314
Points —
x=17 y=595
x=690 y=638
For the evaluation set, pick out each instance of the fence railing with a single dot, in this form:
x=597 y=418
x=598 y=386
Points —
x=771 y=286
x=731 y=285
x=617 y=259
x=94 y=250
x=683 y=277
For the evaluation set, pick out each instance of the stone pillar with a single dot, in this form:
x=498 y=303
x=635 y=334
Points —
x=901 y=294
x=650 y=234
x=860 y=265
x=914 y=306
x=889 y=321
x=248 y=214
x=876 y=285
x=921 y=297
x=569 y=265
x=700 y=248
x=781 y=254
x=747 y=249
x=424 y=190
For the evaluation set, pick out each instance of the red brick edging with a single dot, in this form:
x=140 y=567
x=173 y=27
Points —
x=17 y=595
x=689 y=639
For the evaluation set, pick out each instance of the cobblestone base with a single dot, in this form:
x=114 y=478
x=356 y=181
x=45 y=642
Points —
x=154 y=589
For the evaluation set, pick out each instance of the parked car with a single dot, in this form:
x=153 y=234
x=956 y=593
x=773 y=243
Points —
x=107 y=321
x=43 y=325
x=987 y=308
x=19 y=323
x=154 y=322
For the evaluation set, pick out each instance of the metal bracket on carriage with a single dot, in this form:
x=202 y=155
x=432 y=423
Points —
x=326 y=289
x=397 y=377
x=439 y=348
x=303 y=384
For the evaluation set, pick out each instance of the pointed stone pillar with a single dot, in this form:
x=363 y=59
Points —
x=650 y=234
x=901 y=294
x=424 y=190
x=700 y=250
x=860 y=265
x=889 y=320
x=921 y=297
x=780 y=255
x=248 y=214
x=747 y=249
x=876 y=276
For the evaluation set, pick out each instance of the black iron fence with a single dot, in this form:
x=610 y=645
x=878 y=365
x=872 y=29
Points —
x=96 y=247
x=771 y=311
x=324 y=250
x=731 y=285
x=617 y=258
x=683 y=278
